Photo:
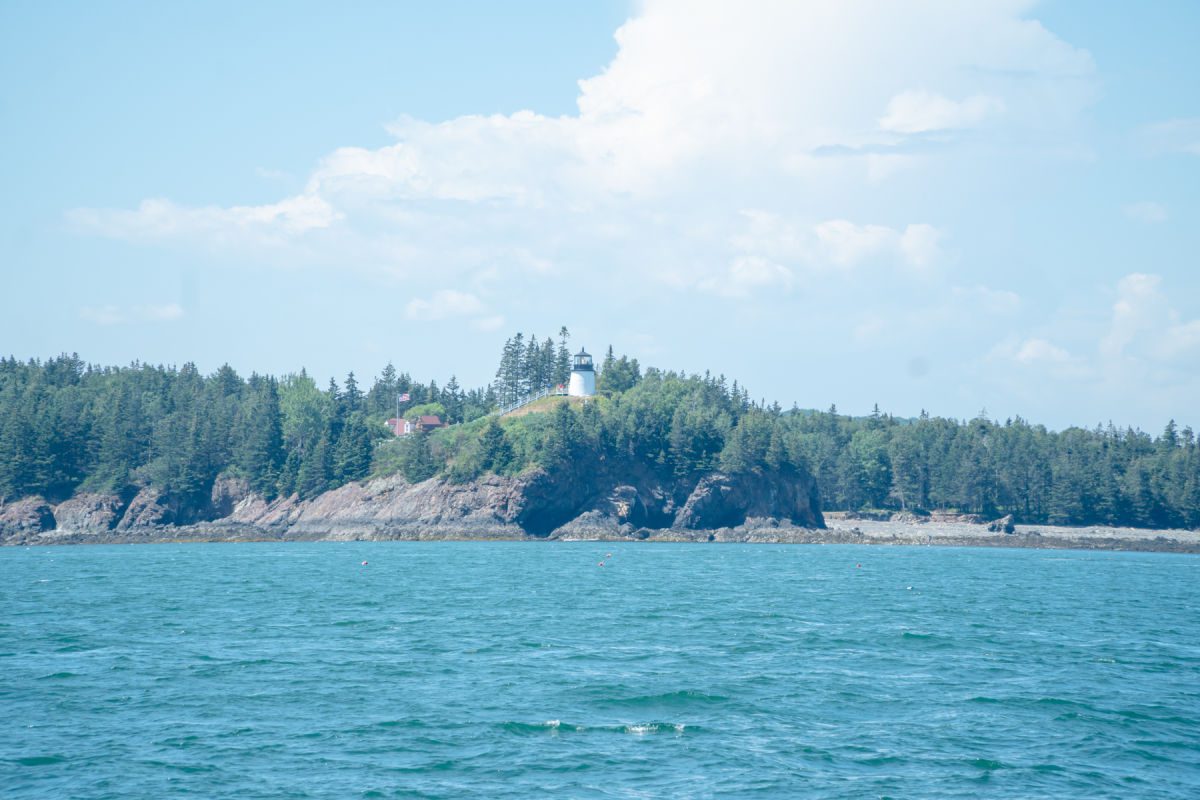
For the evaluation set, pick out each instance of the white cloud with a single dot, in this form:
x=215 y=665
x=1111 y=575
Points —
x=747 y=274
x=1181 y=340
x=919 y=111
x=700 y=100
x=1145 y=327
x=1032 y=351
x=1138 y=308
x=920 y=245
x=1034 y=361
x=845 y=243
x=443 y=304
x=159 y=219
x=1142 y=341
x=1146 y=211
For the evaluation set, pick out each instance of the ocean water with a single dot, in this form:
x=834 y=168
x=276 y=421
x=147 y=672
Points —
x=516 y=670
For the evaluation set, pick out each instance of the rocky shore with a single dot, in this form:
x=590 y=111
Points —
x=972 y=531
x=778 y=506
x=772 y=508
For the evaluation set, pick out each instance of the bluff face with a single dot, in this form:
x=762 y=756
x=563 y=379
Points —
x=575 y=503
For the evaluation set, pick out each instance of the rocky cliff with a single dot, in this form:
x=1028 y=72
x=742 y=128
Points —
x=574 y=503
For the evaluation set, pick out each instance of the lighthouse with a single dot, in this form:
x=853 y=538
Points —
x=583 y=376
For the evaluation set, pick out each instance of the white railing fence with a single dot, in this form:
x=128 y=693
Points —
x=530 y=398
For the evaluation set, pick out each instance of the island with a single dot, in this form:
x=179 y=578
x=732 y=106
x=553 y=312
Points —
x=557 y=447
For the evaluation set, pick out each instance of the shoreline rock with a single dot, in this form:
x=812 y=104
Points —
x=536 y=506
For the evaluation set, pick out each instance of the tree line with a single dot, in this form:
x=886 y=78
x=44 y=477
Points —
x=1078 y=476
x=67 y=426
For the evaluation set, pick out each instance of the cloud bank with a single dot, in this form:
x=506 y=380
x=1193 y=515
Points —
x=732 y=154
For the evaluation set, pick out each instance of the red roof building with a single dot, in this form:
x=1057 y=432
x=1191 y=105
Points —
x=400 y=427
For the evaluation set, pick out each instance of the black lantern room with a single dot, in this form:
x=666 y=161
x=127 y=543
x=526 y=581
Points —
x=583 y=362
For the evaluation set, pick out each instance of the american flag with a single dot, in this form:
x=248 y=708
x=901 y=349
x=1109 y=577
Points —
x=404 y=398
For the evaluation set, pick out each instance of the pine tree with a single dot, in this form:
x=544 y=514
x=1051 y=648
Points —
x=495 y=453
x=417 y=462
x=531 y=372
x=352 y=456
x=452 y=401
x=565 y=440
x=259 y=453
x=562 y=361
x=351 y=397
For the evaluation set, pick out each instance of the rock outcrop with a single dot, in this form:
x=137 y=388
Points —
x=571 y=503
x=726 y=501
x=90 y=513
x=149 y=508
x=1003 y=525
x=25 y=519
x=226 y=493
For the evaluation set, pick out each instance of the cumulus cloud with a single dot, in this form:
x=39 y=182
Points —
x=1039 y=359
x=1144 y=325
x=701 y=99
x=919 y=111
x=1142 y=340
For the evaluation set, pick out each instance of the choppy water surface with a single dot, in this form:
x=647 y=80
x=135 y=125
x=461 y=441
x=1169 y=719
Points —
x=517 y=670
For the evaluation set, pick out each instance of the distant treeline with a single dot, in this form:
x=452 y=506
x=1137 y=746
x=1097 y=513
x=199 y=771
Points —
x=66 y=426
x=1077 y=476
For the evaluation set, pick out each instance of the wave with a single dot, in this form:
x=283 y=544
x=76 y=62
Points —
x=554 y=726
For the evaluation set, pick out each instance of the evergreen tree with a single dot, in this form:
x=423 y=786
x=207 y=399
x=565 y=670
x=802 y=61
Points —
x=562 y=361
x=259 y=453
x=417 y=463
x=452 y=401
x=352 y=455
x=495 y=452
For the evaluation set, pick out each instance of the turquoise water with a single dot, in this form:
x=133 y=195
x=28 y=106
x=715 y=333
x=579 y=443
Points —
x=499 y=670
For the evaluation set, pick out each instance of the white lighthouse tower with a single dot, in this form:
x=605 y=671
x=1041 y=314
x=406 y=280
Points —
x=583 y=376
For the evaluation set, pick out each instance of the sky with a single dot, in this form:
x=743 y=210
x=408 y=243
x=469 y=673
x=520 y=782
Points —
x=957 y=207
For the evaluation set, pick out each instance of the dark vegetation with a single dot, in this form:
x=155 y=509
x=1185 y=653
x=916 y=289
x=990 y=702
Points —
x=66 y=427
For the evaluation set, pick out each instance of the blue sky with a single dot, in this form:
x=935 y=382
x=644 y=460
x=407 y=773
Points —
x=934 y=205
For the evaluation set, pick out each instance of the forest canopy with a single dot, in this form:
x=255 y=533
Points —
x=69 y=427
